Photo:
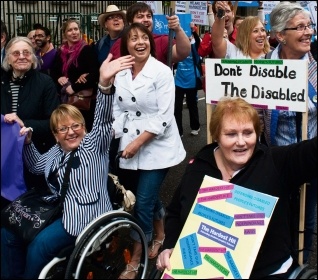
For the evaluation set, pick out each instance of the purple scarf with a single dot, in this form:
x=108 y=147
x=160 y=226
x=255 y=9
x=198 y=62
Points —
x=12 y=180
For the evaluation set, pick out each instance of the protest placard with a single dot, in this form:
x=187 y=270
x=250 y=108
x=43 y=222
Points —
x=264 y=83
x=222 y=234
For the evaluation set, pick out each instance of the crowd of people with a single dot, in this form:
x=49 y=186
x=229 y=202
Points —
x=136 y=108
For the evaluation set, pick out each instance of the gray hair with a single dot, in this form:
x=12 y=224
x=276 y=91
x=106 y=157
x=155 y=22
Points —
x=283 y=13
x=5 y=65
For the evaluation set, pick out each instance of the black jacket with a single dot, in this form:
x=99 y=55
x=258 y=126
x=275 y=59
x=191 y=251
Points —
x=275 y=171
x=37 y=100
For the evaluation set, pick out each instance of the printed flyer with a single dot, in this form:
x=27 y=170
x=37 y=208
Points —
x=223 y=232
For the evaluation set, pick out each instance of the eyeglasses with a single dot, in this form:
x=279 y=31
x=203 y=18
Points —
x=301 y=27
x=114 y=17
x=39 y=35
x=25 y=53
x=74 y=127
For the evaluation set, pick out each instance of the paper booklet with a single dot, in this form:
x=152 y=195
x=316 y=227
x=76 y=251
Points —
x=223 y=232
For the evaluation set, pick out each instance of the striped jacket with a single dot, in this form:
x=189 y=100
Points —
x=87 y=195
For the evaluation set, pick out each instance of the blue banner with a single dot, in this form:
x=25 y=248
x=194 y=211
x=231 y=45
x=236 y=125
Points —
x=160 y=24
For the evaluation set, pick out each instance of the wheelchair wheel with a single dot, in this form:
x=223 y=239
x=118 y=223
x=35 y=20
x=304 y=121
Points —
x=56 y=268
x=309 y=274
x=104 y=249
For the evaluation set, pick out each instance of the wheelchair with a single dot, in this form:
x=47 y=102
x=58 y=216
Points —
x=102 y=250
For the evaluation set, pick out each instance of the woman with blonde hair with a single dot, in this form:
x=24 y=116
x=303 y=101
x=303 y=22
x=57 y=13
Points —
x=251 y=40
x=75 y=67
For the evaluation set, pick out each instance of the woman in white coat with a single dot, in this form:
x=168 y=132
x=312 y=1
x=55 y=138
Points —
x=149 y=138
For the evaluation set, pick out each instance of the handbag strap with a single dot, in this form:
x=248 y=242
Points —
x=66 y=178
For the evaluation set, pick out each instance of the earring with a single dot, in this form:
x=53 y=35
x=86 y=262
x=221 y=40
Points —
x=284 y=42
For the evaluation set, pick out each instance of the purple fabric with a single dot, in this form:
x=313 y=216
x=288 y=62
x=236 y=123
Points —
x=12 y=180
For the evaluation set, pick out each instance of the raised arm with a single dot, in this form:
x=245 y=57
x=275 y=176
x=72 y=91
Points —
x=218 y=42
x=182 y=48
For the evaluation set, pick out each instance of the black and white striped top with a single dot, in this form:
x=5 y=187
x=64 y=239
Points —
x=15 y=96
x=87 y=195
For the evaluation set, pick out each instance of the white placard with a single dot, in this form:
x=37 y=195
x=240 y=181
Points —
x=264 y=83
x=197 y=9
x=269 y=6
x=156 y=6
x=312 y=7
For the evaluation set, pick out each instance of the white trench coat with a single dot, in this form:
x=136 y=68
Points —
x=147 y=104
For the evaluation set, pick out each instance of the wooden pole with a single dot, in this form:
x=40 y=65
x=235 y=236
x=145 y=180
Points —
x=302 y=197
x=208 y=117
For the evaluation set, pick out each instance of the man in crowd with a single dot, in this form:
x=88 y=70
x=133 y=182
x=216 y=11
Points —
x=205 y=48
x=113 y=21
x=141 y=12
x=4 y=39
x=46 y=51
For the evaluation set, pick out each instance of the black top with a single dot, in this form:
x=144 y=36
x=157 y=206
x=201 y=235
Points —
x=276 y=171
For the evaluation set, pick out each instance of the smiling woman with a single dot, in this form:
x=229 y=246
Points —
x=87 y=195
x=251 y=40
x=293 y=29
x=75 y=68
x=236 y=154
x=146 y=127
x=28 y=97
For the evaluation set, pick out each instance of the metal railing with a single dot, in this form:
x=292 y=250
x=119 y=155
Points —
x=20 y=16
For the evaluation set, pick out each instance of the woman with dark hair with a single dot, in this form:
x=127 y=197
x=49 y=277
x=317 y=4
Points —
x=76 y=67
x=145 y=124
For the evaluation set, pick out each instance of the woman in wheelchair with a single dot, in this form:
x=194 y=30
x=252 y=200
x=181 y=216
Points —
x=86 y=197
x=236 y=156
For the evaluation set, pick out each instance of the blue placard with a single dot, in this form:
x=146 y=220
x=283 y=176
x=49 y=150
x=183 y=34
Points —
x=252 y=200
x=160 y=24
x=189 y=247
x=267 y=22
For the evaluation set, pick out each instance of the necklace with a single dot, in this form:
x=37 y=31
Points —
x=230 y=176
x=228 y=173
x=43 y=53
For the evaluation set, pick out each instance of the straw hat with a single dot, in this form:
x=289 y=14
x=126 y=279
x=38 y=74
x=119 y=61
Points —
x=110 y=10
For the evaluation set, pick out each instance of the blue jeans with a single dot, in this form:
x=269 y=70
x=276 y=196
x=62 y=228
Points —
x=148 y=206
x=21 y=261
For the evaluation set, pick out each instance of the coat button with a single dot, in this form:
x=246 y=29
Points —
x=120 y=98
x=133 y=99
x=138 y=114
x=125 y=130
x=164 y=123
x=137 y=131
